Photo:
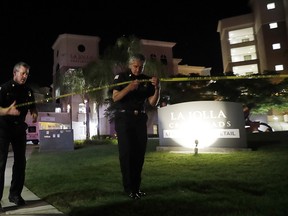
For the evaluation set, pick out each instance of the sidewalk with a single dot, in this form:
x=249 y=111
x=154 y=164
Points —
x=34 y=205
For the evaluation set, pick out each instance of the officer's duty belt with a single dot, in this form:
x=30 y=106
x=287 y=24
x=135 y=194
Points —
x=135 y=112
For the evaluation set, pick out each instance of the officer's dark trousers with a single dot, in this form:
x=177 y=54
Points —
x=132 y=140
x=15 y=135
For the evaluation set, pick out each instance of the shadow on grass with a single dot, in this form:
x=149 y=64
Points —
x=184 y=198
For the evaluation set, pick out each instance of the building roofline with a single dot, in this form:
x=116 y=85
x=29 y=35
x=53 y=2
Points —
x=74 y=36
x=157 y=43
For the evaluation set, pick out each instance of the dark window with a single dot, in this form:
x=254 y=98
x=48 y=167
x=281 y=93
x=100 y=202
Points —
x=163 y=59
x=31 y=129
x=81 y=48
x=153 y=57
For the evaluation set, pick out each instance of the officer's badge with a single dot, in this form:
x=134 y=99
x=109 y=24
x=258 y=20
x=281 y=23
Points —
x=116 y=77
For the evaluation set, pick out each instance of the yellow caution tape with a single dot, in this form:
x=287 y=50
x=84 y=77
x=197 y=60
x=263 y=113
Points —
x=175 y=79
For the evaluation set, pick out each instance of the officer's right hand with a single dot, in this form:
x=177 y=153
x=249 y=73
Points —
x=133 y=85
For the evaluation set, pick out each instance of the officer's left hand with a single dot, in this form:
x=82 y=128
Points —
x=11 y=110
x=155 y=82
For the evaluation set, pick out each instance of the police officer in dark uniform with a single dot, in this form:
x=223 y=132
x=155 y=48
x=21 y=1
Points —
x=131 y=120
x=13 y=129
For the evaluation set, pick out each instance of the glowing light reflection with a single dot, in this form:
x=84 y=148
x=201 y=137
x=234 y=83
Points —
x=199 y=130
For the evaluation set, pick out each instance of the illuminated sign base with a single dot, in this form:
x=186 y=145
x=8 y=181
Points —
x=207 y=150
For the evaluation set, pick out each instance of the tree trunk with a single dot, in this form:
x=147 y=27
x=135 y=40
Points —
x=98 y=117
x=87 y=120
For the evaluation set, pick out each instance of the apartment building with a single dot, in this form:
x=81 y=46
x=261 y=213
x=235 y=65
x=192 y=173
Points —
x=256 y=42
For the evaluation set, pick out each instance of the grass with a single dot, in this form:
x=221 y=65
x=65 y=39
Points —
x=87 y=181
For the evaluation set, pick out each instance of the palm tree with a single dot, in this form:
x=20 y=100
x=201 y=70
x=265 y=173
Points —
x=98 y=75
x=73 y=83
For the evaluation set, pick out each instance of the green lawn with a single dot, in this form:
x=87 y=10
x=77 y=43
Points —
x=87 y=181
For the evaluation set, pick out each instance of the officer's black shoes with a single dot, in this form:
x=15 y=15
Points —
x=1 y=208
x=134 y=196
x=18 y=200
x=141 y=193
x=137 y=195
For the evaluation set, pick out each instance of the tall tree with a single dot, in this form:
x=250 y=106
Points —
x=98 y=75
x=73 y=83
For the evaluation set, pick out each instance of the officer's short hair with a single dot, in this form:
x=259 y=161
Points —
x=136 y=56
x=19 y=64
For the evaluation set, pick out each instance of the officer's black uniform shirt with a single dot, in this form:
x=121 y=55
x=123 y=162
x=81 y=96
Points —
x=136 y=99
x=22 y=94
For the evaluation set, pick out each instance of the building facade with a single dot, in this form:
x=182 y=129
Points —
x=256 y=42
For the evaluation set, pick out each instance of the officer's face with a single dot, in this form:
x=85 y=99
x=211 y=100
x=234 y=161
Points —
x=136 y=67
x=21 y=75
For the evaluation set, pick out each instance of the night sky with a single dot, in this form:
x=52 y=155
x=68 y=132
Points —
x=28 y=30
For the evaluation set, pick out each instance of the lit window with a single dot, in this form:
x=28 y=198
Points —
x=68 y=108
x=279 y=67
x=57 y=110
x=245 y=70
x=270 y=6
x=82 y=108
x=57 y=92
x=276 y=46
x=273 y=25
x=243 y=53
x=155 y=129
x=94 y=108
x=241 y=35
